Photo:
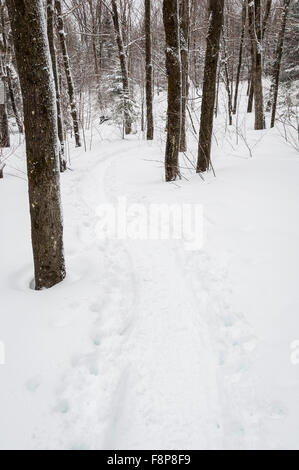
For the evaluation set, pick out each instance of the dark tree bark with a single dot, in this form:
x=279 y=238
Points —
x=251 y=25
x=185 y=39
x=174 y=73
x=266 y=16
x=216 y=8
x=93 y=14
x=149 y=71
x=255 y=30
x=277 y=63
x=13 y=101
x=68 y=73
x=51 y=39
x=227 y=84
x=217 y=92
x=251 y=90
x=250 y=21
x=123 y=66
x=4 y=129
x=32 y=52
x=244 y=16
x=6 y=71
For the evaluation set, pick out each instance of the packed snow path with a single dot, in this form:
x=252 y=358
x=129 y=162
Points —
x=147 y=345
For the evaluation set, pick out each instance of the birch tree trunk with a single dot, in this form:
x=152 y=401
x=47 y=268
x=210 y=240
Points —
x=28 y=24
x=68 y=73
x=185 y=40
x=149 y=71
x=216 y=9
x=174 y=73
x=123 y=66
x=51 y=39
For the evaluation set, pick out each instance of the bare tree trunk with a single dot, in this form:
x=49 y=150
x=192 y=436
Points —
x=13 y=101
x=142 y=110
x=250 y=87
x=184 y=12
x=123 y=66
x=185 y=39
x=174 y=73
x=5 y=65
x=28 y=24
x=256 y=39
x=216 y=8
x=149 y=71
x=251 y=18
x=277 y=63
x=51 y=39
x=244 y=15
x=94 y=41
x=226 y=82
x=99 y=50
x=251 y=94
x=4 y=129
x=68 y=73
x=217 y=92
x=266 y=16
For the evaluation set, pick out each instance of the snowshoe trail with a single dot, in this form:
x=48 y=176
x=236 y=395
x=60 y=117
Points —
x=168 y=360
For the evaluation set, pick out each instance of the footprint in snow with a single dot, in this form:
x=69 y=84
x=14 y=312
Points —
x=277 y=410
x=33 y=384
x=62 y=407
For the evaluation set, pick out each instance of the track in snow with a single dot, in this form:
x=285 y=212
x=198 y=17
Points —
x=161 y=372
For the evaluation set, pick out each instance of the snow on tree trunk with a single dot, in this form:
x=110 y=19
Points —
x=29 y=33
x=277 y=63
x=93 y=10
x=123 y=66
x=216 y=8
x=255 y=30
x=174 y=73
x=68 y=73
x=12 y=100
x=51 y=39
x=250 y=25
x=149 y=71
x=4 y=129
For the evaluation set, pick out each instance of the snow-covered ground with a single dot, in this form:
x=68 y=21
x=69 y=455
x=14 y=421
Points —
x=146 y=344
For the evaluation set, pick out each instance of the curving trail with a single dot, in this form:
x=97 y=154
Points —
x=159 y=373
x=146 y=344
